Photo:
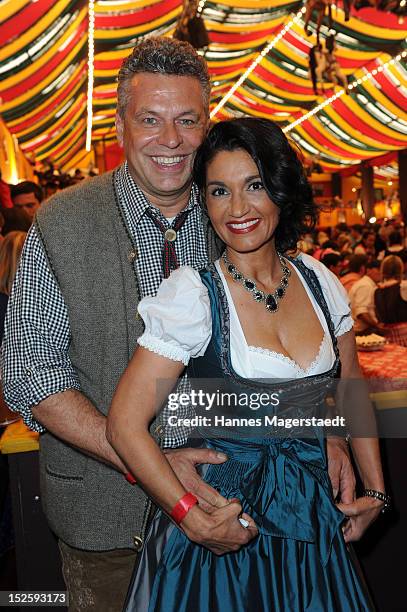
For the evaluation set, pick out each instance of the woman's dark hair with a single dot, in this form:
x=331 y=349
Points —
x=279 y=166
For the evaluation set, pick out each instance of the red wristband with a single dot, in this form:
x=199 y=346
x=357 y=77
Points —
x=130 y=478
x=182 y=507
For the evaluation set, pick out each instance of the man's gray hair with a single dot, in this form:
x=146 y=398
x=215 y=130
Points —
x=162 y=55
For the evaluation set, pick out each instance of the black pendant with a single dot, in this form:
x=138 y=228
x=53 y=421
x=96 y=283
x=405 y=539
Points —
x=271 y=303
x=249 y=285
x=231 y=268
x=280 y=292
x=258 y=296
x=284 y=281
x=238 y=276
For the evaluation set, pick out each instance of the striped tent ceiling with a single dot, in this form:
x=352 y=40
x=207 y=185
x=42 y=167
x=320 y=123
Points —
x=43 y=72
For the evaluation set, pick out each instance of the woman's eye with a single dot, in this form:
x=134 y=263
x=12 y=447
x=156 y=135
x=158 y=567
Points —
x=255 y=186
x=150 y=120
x=218 y=191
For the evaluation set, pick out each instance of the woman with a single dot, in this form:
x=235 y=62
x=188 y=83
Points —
x=10 y=251
x=244 y=321
x=391 y=300
x=391 y=296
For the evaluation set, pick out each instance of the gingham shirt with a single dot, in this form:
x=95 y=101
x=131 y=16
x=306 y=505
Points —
x=35 y=358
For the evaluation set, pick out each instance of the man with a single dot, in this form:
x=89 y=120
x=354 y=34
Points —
x=367 y=245
x=356 y=269
x=361 y=297
x=93 y=251
x=356 y=234
x=332 y=260
x=27 y=196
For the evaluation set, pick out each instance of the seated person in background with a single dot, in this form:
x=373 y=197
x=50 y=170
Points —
x=329 y=246
x=344 y=243
x=333 y=262
x=356 y=269
x=395 y=247
x=367 y=246
x=361 y=298
x=391 y=296
x=356 y=234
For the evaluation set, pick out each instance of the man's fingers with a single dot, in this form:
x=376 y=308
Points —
x=201 y=455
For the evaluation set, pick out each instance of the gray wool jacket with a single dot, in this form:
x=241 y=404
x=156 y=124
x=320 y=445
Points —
x=90 y=251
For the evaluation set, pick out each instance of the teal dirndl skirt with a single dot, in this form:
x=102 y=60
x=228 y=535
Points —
x=299 y=562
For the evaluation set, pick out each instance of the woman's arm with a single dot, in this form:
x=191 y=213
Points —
x=142 y=390
x=365 y=450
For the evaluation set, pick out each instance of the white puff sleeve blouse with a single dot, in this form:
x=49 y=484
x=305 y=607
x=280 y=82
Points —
x=334 y=293
x=178 y=322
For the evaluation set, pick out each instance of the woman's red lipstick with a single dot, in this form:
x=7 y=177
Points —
x=248 y=225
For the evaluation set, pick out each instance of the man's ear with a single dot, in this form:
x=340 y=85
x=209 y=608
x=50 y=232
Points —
x=119 y=129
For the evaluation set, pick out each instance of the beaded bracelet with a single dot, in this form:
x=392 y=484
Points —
x=386 y=499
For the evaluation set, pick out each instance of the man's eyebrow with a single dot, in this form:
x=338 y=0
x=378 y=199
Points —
x=143 y=110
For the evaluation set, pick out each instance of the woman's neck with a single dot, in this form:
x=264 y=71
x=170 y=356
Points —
x=262 y=265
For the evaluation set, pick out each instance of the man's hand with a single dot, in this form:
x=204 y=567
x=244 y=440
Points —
x=220 y=532
x=184 y=461
x=361 y=513
x=340 y=470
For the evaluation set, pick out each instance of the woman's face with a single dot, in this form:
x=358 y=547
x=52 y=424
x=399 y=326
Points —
x=240 y=210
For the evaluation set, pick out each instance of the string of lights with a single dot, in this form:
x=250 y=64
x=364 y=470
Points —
x=258 y=60
x=91 y=57
x=201 y=6
x=340 y=93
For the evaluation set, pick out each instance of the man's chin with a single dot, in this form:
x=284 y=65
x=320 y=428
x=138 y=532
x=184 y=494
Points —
x=168 y=188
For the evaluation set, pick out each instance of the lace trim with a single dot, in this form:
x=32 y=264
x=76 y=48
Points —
x=345 y=325
x=288 y=360
x=165 y=349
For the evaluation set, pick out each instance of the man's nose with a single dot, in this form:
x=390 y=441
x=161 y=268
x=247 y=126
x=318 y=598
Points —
x=170 y=135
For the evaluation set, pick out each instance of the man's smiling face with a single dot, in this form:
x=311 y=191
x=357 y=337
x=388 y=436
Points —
x=164 y=123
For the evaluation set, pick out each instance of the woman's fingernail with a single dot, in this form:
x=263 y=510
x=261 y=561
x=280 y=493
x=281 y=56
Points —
x=221 y=456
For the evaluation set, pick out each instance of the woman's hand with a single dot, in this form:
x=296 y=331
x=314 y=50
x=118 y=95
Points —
x=361 y=513
x=220 y=532
x=340 y=470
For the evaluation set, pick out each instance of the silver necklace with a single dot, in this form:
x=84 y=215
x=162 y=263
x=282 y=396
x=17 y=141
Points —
x=270 y=300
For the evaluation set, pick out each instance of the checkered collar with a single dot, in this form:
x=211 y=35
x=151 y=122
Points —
x=137 y=201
